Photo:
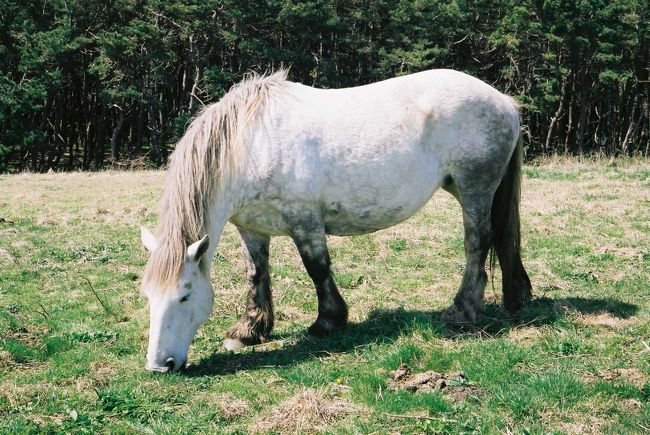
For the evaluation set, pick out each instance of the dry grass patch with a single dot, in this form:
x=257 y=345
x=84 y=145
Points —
x=633 y=405
x=6 y=359
x=232 y=407
x=5 y=254
x=604 y=319
x=572 y=424
x=525 y=335
x=105 y=204
x=42 y=420
x=19 y=395
x=309 y=411
x=632 y=376
x=590 y=427
x=103 y=372
x=291 y=313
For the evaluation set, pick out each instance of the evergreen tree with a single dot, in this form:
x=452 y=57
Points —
x=88 y=83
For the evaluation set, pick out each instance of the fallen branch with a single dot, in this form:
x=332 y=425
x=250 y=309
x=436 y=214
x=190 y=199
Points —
x=45 y=313
x=5 y=221
x=106 y=308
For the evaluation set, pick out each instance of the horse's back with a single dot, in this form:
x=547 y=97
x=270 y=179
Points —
x=452 y=114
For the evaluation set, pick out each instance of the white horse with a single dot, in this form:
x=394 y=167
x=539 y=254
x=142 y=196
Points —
x=279 y=158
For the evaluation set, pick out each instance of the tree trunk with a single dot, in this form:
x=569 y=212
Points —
x=100 y=137
x=631 y=129
x=116 y=135
x=153 y=135
x=195 y=85
x=139 y=130
x=585 y=110
x=569 y=125
x=554 y=118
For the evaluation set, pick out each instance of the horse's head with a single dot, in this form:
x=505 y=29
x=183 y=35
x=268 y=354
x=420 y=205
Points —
x=176 y=311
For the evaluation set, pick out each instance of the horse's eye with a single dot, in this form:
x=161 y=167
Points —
x=184 y=299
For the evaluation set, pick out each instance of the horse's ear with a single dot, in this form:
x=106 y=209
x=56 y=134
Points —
x=148 y=240
x=196 y=250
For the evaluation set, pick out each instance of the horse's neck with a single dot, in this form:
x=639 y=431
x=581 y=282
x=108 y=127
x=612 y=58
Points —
x=220 y=212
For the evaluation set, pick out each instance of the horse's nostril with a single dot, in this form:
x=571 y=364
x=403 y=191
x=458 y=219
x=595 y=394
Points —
x=169 y=362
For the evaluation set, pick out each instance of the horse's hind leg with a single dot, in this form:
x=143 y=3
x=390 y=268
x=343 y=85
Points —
x=332 y=311
x=478 y=236
x=257 y=321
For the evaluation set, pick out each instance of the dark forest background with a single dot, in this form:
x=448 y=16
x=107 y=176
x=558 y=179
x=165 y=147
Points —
x=90 y=84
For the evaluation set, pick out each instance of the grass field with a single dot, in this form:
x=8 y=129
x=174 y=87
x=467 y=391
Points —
x=73 y=326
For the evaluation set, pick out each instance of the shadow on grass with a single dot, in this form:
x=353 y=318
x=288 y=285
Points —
x=543 y=311
x=386 y=325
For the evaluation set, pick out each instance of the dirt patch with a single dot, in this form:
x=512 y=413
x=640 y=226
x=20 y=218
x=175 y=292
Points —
x=453 y=385
x=632 y=376
x=307 y=412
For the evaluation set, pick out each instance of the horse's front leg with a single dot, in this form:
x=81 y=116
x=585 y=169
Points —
x=332 y=311
x=478 y=237
x=257 y=321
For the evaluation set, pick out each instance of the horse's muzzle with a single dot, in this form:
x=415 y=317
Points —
x=170 y=366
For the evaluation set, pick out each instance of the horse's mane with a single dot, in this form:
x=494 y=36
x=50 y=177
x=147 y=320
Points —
x=209 y=154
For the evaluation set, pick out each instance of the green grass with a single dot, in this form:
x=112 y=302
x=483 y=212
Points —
x=576 y=359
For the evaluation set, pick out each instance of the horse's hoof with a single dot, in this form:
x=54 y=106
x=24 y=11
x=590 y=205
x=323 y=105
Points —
x=323 y=327
x=455 y=317
x=233 y=344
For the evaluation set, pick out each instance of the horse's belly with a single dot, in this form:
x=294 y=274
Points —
x=340 y=218
x=366 y=218
x=381 y=195
x=363 y=211
x=345 y=210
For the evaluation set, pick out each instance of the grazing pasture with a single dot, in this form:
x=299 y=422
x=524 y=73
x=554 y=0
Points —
x=575 y=360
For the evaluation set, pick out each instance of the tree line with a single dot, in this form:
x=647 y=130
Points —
x=89 y=83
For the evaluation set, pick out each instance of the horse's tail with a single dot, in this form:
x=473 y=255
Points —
x=507 y=234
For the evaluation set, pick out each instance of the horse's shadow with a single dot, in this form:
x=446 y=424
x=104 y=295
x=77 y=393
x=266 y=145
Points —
x=387 y=325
